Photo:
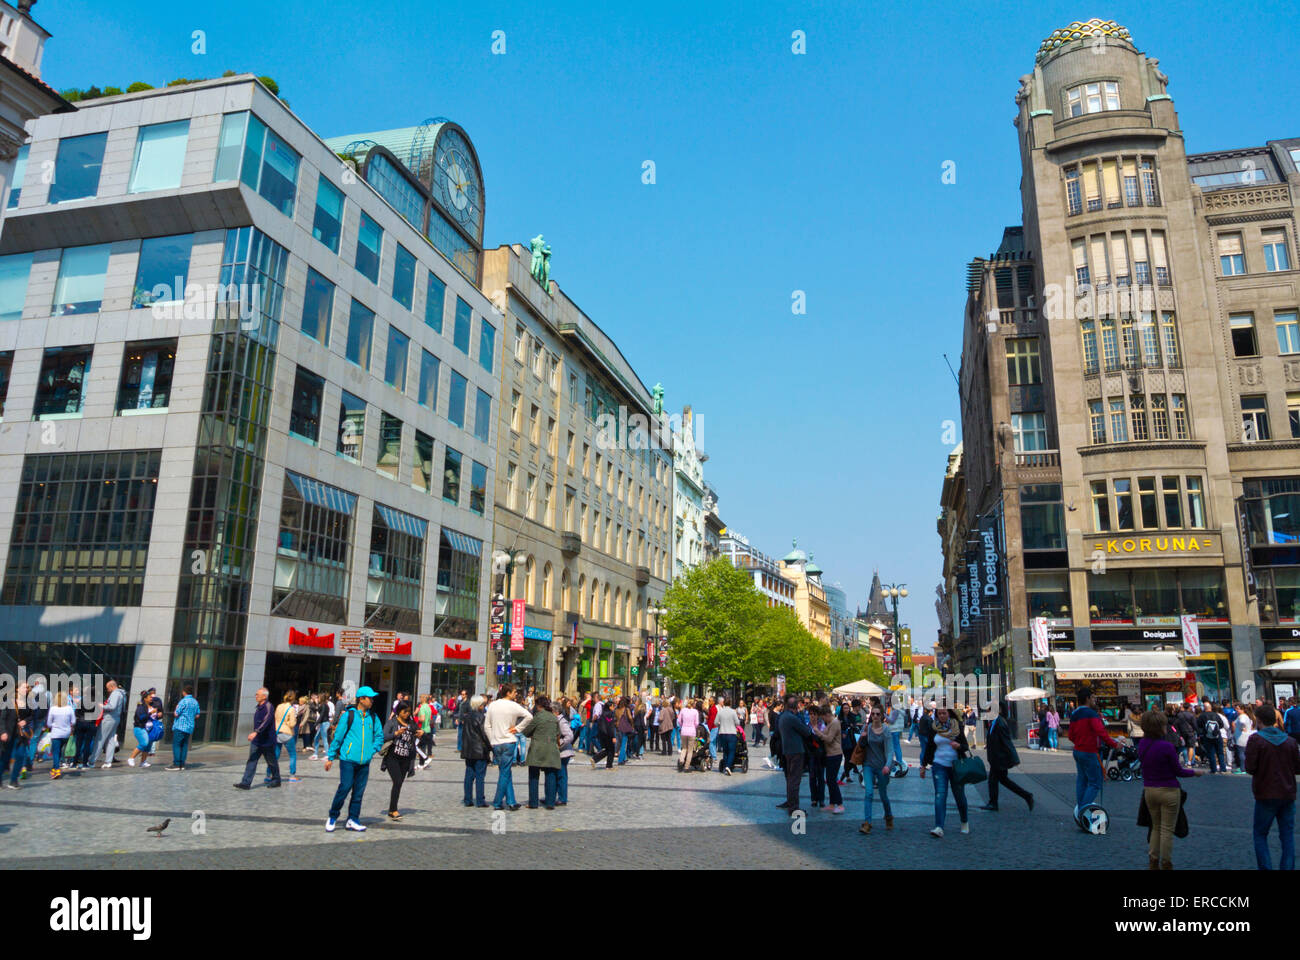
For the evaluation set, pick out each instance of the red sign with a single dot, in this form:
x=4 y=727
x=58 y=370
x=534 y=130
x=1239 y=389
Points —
x=455 y=653
x=312 y=638
x=516 y=625
x=381 y=641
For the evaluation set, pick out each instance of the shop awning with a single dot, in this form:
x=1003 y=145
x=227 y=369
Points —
x=463 y=544
x=1114 y=665
x=322 y=494
x=401 y=522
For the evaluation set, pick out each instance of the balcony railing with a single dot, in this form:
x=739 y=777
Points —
x=1039 y=458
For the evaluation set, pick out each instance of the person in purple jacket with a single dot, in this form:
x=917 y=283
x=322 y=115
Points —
x=1161 y=770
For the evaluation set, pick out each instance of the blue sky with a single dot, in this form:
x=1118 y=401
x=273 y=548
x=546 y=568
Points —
x=774 y=173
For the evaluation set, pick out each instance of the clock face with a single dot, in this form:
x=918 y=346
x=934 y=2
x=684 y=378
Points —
x=458 y=181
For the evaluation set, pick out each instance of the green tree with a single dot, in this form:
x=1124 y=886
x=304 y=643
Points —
x=713 y=615
x=138 y=86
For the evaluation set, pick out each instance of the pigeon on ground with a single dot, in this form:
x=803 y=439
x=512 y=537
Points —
x=158 y=830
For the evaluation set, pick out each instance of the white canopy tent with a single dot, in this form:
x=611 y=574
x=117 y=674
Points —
x=860 y=688
x=1286 y=668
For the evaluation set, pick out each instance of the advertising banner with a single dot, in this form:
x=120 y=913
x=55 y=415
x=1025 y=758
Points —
x=516 y=625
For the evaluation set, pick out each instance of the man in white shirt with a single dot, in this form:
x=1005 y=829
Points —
x=502 y=720
x=727 y=723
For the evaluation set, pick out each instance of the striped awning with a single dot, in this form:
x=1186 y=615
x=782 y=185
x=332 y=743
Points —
x=322 y=494
x=401 y=522
x=463 y=544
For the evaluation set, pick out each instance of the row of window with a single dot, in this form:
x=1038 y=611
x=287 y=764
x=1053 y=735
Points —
x=1110 y=183
x=1274 y=250
x=624 y=608
x=1164 y=417
x=1130 y=344
x=1101 y=258
x=1246 y=344
x=1167 y=502
x=1120 y=596
x=1092 y=97
x=1254 y=417
x=144 y=385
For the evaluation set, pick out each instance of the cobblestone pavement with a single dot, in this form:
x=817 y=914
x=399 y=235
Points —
x=644 y=814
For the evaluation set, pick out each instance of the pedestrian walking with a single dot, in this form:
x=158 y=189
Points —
x=667 y=724
x=543 y=729
x=142 y=723
x=566 y=754
x=475 y=750
x=501 y=722
x=60 y=720
x=946 y=745
x=398 y=753
x=1161 y=794
x=16 y=731
x=876 y=762
x=688 y=723
x=261 y=743
x=358 y=737
x=1273 y=762
x=307 y=721
x=1001 y=749
x=107 y=743
x=970 y=725
x=424 y=733
x=925 y=730
x=324 y=730
x=794 y=736
x=286 y=734
x=828 y=731
x=1209 y=732
x=757 y=720
x=1087 y=733
x=895 y=720
x=1243 y=726
x=729 y=725
x=187 y=711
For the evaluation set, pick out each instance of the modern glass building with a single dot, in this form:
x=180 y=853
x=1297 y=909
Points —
x=248 y=398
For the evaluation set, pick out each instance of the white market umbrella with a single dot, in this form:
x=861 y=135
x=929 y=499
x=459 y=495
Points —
x=1027 y=693
x=863 y=688
x=1286 y=668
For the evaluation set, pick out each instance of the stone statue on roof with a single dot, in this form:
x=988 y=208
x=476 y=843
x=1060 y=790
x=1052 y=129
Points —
x=539 y=266
x=658 y=394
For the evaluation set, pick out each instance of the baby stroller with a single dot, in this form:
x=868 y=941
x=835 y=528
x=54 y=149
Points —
x=1122 y=763
x=741 y=761
x=701 y=761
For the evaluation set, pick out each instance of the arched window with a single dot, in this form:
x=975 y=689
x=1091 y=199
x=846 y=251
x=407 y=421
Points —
x=591 y=601
x=531 y=582
x=616 y=615
x=582 y=594
x=605 y=612
x=566 y=590
x=547 y=600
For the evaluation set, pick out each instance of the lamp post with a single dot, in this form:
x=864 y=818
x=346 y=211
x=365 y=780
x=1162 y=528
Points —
x=895 y=591
x=657 y=611
x=503 y=567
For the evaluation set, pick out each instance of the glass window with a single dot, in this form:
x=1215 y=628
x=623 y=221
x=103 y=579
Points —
x=451 y=476
x=370 y=239
x=327 y=224
x=159 y=156
x=16 y=181
x=487 y=343
x=1231 y=258
x=390 y=445
x=1123 y=504
x=1195 y=504
x=6 y=367
x=464 y=318
x=428 y=380
x=483 y=416
x=80 y=287
x=1173 y=503
x=395 y=359
x=1288 y=332
x=163 y=270
x=308 y=400
x=1155 y=592
x=1254 y=419
x=422 y=474
x=313 y=552
x=434 y=303
x=1150 y=191
x=477 y=487
x=1275 y=251
x=60 y=390
x=456 y=400
x=394 y=574
x=1159 y=416
x=1147 y=503
x=1178 y=404
x=229 y=147
x=1097 y=421
x=404 y=277
x=270 y=166
x=1110 y=597
x=1088 y=329
x=1137 y=404
x=392 y=185
x=1203 y=594
x=1100 y=507
x=14 y=272
x=1109 y=345
x=1073 y=195
x=361 y=326
x=1030 y=431
x=1293 y=412
x=1243 y=335
x=317 y=307
x=1022 y=362
x=77 y=166
x=146 y=376
x=253 y=263
x=1048 y=595
x=1042 y=518
x=352 y=427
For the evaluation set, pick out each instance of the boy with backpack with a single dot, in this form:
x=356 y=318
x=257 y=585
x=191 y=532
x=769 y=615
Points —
x=1209 y=729
x=359 y=735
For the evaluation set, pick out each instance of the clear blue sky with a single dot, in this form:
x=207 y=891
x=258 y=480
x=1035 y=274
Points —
x=775 y=173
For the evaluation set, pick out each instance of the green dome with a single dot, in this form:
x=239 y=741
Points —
x=796 y=555
x=812 y=569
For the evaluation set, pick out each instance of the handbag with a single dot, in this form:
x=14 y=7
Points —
x=859 y=755
x=1181 y=828
x=969 y=770
x=283 y=737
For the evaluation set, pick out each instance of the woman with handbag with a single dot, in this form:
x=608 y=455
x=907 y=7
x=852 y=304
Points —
x=142 y=722
x=398 y=753
x=286 y=733
x=872 y=752
x=828 y=731
x=543 y=752
x=944 y=747
x=1161 y=794
x=1002 y=757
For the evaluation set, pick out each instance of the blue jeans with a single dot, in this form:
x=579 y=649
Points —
x=322 y=736
x=265 y=752
x=562 y=781
x=727 y=741
x=623 y=738
x=460 y=737
x=180 y=747
x=475 y=775
x=942 y=780
x=20 y=758
x=521 y=752
x=1266 y=811
x=56 y=750
x=292 y=747
x=503 y=755
x=713 y=743
x=897 y=740
x=1052 y=733
x=352 y=777
x=1087 y=778
x=534 y=774
x=1214 y=751
x=879 y=781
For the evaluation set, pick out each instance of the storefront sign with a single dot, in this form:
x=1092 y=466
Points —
x=1191 y=637
x=623 y=647
x=974 y=602
x=455 y=653
x=1038 y=628
x=905 y=647
x=497 y=617
x=963 y=604
x=382 y=641
x=311 y=638
x=516 y=625
x=530 y=633
x=1247 y=561
x=1154 y=546
x=990 y=567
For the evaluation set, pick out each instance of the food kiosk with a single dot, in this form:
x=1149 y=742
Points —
x=1144 y=679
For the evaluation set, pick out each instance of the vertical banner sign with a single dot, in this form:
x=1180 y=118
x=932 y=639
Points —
x=1191 y=636
x=905 y=644
x=1247 y=562
x=1039 y=628
x=497 y=618
x=516 y=625
x=989 y=561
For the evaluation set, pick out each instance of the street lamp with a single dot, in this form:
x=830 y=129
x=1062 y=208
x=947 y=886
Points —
x=895 y=591
x=657 y=611
x=503 y=566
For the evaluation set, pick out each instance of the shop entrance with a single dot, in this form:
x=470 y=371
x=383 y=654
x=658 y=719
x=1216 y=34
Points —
x=388 y=678
x=303 y=673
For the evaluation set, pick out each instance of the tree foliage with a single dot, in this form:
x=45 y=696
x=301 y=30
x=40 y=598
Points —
x=75 y=94
x=721 y=631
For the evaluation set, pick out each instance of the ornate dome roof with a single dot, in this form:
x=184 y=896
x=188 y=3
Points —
x=1082 y=30
x=812 y=569
x=796 y=555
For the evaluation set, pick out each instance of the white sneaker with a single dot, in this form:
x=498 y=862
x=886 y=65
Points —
x=107 y=766
x=329 y=824
x=130 y=761
x=965 y=828
x=937 y=832
x=353 y=825
x=146 y=764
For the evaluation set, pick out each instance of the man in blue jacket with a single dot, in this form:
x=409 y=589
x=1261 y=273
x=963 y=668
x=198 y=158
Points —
x=357 y=737
x=261 y=743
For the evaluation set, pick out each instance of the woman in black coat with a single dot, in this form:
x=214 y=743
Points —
x=476 y=751
x=1002 y=756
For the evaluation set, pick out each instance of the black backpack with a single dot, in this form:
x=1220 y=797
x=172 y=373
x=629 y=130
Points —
x=1211 y=727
